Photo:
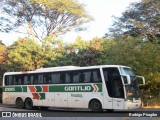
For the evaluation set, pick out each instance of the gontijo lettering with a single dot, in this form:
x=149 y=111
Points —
x=77 y=88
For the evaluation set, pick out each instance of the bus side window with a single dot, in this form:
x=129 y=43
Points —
x=82 y=77
x=14 y=80
x=10 y=80
x=31 y=79
x=35 y=80
x=40 y=78
x=63 y=77
x=26 y=80
x=17 y=80
x=96 y=76
x=7 y=80
x=55 y=78
x=87 y=76
x=47 y=78
x=76 y=77
x=22 y=79
x=67 y=78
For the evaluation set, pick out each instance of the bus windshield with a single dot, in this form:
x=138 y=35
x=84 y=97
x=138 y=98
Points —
x=132 y=90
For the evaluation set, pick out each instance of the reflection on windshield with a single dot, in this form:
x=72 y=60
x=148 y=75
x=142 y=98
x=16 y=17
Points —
x=132 y=90
x=127 y=71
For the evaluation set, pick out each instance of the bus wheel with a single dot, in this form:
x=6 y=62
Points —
x=95 y=106
x=28 y=104
x=19 y=103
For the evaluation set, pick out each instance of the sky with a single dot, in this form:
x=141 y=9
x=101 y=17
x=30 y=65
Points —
x=102 y=12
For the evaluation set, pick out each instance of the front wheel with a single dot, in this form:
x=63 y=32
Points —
x=28 y=104
x=96 y=106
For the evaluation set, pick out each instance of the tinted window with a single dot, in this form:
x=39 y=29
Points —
x=40 y=78
x=55 y=78
x=113 y=82
x=26 y=80
x=8 y=79
x=65 y=77
x=47 y=78
x=86 y=76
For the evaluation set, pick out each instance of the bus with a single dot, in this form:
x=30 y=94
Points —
x=101 y=87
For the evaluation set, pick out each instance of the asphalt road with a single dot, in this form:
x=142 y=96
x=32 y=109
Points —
x=77 y=114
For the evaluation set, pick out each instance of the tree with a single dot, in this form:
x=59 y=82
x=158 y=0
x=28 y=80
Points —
x=85 y=53
x=149 y=64
x=140 y=19
x=122 y=50
x=43 y=18
x=142 y=57
x=3 y=58
x=78 y=53
x=25 y=54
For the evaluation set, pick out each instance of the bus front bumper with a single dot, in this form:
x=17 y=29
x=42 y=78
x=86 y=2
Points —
x=132 y=105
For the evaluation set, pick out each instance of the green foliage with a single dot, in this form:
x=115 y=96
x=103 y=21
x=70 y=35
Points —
x=140 y=19
x=142 y=57
x=142 y=50
x=24 y=54
x=133 y=40
x=3 y=56
x=120 y=51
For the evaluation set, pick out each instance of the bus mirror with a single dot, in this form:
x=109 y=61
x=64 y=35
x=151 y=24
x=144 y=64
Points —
x=140 y=80
x=126 y=79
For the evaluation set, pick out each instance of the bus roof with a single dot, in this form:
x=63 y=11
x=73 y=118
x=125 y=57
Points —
x=62 y=68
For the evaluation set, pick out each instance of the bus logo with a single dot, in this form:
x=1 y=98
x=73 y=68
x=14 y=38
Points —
x=9 y=89
x=77 y=88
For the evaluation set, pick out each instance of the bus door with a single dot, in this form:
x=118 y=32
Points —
x=117 y=93
x=114 y=87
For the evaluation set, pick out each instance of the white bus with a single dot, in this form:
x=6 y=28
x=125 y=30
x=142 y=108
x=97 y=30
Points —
x=103 y=87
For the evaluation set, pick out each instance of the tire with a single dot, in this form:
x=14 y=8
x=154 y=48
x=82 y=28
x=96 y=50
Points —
x=28 y=104
x=95 y=106
x=19 y=103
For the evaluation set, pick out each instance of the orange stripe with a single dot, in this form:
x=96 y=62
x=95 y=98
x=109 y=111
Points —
x=36 y=96
x=45 y=88
x=32 y=88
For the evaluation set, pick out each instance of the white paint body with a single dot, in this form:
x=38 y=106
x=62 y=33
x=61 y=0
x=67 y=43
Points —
x=72 y=99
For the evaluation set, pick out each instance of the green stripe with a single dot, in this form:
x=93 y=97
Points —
x=74 y=88
x=38 y=89
x=42 y=96
x=15 y=89
x=100 y=87
x=12 y=89
x=24 y=88
x=56 y=88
